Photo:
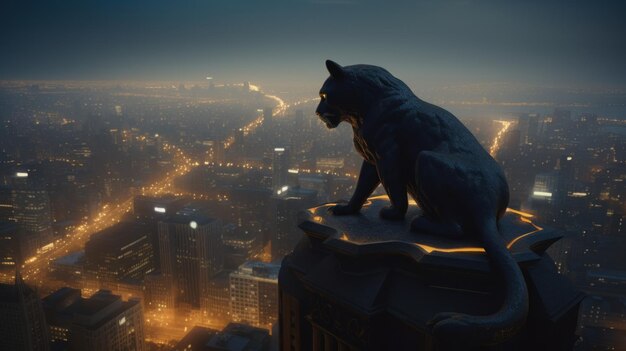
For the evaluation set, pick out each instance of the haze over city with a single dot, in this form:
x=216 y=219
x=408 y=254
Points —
x=156 y=158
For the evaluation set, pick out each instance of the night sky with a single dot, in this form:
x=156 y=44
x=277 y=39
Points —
x=284 y=43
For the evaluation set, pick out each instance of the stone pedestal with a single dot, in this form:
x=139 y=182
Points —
x=362 y=283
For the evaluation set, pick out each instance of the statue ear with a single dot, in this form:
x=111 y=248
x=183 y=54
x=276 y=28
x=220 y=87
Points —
x=335 y=70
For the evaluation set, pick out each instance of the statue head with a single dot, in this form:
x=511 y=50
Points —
x=350 y=91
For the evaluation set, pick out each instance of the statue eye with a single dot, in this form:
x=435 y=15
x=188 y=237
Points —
x=323 y=96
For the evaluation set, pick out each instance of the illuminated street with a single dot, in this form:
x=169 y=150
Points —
x=497 y=141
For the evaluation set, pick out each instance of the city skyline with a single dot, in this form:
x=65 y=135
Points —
x=165 y=182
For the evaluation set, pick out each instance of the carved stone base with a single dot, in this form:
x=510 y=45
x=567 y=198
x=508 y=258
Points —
x=361 y=283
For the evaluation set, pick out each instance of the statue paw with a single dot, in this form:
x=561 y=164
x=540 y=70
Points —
x=391 y=213
x=343 y=210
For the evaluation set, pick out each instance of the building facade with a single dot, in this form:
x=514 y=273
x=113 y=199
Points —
x=254 y=294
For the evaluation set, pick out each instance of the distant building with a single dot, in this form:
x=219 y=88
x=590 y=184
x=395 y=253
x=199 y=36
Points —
x=159 y=292
x=251 y=211
x=235 y=337
x=68 y=268
x=280 y=168
x=217 y=298
x=240 y=244
x=23 y=325
x=6 y=204
x=9 y=246
x=31 y=208
x=119 y=253
x=528 y=125
x=317 y=182
x=191 y=252
x=195 y=340
x=102 y=322
x=156 y=207
x=254 y=294
x=287 y=205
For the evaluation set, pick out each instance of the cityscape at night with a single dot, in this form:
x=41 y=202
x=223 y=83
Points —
x=158 y=163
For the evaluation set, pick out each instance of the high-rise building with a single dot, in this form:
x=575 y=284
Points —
x=156 y=207
x=287 y=204
x=23 y=325
x=119 y=253
x=217 y=298
x=102 y=322
x=9 y=246
x=6 y=204
x=159 y=292
x=528 y=124
x=280 y=168
x=31 y=208
x=235 y=337
x=251 y=211
x=254 y=294
x=191 y=252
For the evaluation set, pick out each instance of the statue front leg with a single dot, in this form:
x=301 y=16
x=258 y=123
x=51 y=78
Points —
x=394 y=181
x=368 y=182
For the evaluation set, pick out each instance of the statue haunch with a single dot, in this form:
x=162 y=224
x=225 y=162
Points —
x=416 y=148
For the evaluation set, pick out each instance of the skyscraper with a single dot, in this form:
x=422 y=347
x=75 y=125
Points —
x=119 y=253
x=9 y=246
x=23 y=325
x=254 y=294
x=191 y=252
x=102 y=322
x=31 y=209
x=528 y=123
x=287 y=204
x=280 y=168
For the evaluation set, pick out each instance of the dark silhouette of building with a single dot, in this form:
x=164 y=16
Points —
x=119 y=253
x=235 y=337
x=102 y=322
x=288 y=202
x=280 y=168
x=9 y=246
x=361 y=283
x=191 y=252
x=23 y=324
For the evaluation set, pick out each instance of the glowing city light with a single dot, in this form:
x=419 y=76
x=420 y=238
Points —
x=497 y=141
x=21 y=174
x=159 y=209
x=193 y=224
x=542 y=193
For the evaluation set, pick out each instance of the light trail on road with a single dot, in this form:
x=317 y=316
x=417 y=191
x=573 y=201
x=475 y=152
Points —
x=35 y=268
x=497 y=141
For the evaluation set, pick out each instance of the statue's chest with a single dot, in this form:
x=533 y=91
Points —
x=364 y=148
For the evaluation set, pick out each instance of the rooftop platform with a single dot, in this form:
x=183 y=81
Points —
x=365 y=283
x=366 y=233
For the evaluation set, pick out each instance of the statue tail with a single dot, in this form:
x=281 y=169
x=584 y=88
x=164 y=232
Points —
x=511 y=316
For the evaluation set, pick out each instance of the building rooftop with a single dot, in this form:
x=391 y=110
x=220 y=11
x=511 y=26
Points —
x=195 y=340
x=366 y=232
x=259 y=269
x=117 y=235
x=93 y=312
